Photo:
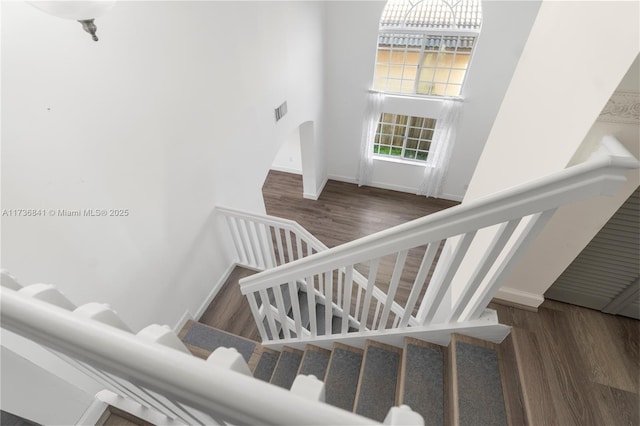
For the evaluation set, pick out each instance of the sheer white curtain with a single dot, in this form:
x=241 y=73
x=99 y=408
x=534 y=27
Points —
x=441 y=147
x=369 y=126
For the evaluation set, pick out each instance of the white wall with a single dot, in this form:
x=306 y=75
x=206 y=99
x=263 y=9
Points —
x=289 y=158
x=505 y=29
x=349 y=51
x=544 y=119
x=167 y=116
x=30 y=392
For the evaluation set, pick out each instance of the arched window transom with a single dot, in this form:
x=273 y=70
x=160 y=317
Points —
x=425 y=47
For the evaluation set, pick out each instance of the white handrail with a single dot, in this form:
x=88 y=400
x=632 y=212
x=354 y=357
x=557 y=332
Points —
x=602 y=174
x=314 y=245
x=220 y=393
x=524 y=208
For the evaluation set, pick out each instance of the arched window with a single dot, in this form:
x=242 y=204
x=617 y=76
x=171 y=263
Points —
x=424 y=53
x=425 y=47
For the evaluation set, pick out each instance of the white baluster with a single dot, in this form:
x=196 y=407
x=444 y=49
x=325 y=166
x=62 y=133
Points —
x=421 y=277
x=396 y=321
x=328 y=295
x=103 y=313
x=258 y=249
x=531 y=230
x=346 y=306
x=375 y=316
x=299 y=247
x=165 y=336
x=253 y=304
x=311 y=301
x=500 y=239
x=308 y=387
x=295 y=307
x=9 y=281
x=290 y=257
x=246 y=242
x=47 y=293
x=339 y=275
x=403 y=415
x=278 y=235
x=393 y=287
x=230 y=359
x=282 y=311
x=267 y=243
x=266 y=306
x=373 y=271
x=358 y=300
x=237 y=240
x=439 y=285
x=162 y=335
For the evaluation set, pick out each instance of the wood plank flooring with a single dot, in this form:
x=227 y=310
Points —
x=230 y=310
x=577 y=366
x=345 y=212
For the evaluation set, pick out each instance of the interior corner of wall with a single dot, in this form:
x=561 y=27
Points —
x=182 y=321
x=212 y=294
x=318 y=192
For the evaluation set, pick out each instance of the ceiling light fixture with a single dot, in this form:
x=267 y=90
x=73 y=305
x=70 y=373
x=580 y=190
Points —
x=82 y=11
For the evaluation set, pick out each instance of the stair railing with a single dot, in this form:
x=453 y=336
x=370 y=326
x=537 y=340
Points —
x=509 y=219
x=157 y=374
x=264 y=242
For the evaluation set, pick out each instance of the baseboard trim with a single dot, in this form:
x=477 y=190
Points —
x=182 y=322
x=397 y=188
x=523 y=299
x=286 y=170
x=514 y=305
x=345 y=179
x=315 y=196
x=452 y=197
x=308 y=196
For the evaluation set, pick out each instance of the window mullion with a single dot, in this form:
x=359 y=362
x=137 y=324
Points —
x=416 y=83
x=406 y=136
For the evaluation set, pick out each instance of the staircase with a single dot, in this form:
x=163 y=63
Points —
x=466 y=252
x=458 y=384
x=317 y=315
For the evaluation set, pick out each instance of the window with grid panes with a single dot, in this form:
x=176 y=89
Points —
x=425 y=47
x=422 y=64
x=404 y=137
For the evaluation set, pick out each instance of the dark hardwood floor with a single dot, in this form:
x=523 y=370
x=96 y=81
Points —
x=577 y=366
x=345 y=212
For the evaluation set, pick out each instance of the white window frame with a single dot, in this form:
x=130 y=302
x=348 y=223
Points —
x=426 y=34
x=406 y=137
